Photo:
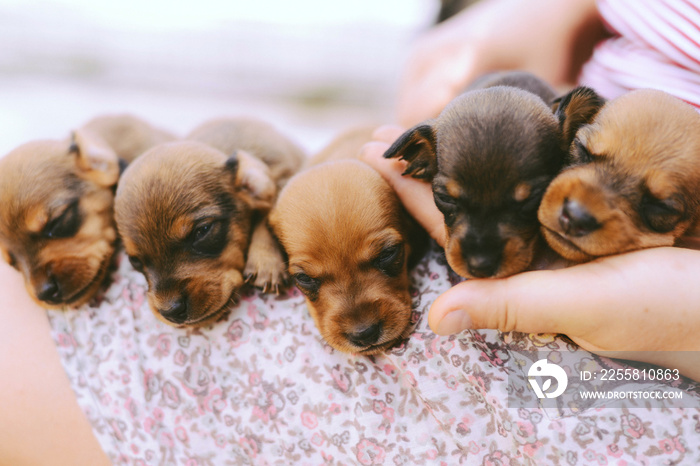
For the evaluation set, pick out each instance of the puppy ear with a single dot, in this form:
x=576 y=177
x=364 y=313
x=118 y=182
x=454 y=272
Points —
x=94 y=158
x=574 y=110
x=252 y=180
x=417 y=146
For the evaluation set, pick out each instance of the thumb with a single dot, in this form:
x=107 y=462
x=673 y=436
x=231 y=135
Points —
x=528 y=302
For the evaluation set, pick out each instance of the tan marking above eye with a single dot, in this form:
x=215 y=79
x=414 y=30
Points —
x=181 y=227
x=36 y=219
x=453 y=189
x=522 y=192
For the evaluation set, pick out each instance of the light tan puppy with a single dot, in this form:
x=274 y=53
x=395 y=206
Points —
x=349 y=244
x=56 y=206
x=635 y=182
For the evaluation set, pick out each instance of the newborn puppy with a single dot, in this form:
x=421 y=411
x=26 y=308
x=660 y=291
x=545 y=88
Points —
x=490 y=156
x=635 y=183
x=350 y=244
x=185 y=212
x=56 y=207
x=265 y=266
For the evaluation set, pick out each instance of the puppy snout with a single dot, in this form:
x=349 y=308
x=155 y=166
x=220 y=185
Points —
x=50 y=291
x=575 y=220
x=483 y=265
x=365 y=335
x=175 y=310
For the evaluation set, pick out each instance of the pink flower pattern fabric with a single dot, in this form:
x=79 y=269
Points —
x=261 y=387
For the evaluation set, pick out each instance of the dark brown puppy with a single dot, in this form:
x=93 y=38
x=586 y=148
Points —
x=490 y=156
x=56 y=207
x=185 y=211
x=350 y=244
x=635 y=183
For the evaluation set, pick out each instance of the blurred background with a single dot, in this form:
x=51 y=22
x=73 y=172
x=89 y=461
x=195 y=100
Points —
x=311 y=67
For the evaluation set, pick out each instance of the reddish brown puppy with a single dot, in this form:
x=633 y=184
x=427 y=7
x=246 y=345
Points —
x=350 y=244
x=56 y=207
x=635 y=183
x=186 y=210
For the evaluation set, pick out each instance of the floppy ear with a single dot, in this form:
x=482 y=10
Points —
x=95 y=159
x=252 y=180
x=574 y=110
x=417 y=146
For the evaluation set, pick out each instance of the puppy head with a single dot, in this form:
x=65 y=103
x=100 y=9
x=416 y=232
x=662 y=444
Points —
x=635 y=181
x=347 y=240
x=490 y=155
x=184 y=212
x=56 y=217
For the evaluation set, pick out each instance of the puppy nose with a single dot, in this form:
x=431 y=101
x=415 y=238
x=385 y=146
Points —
x=49 y=291
x=575 y=220
x=365 y=336
x=176 y=310
x=483 y=265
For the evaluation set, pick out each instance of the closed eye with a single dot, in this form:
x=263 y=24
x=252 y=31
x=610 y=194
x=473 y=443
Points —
x=208 y=238
x=661 y=215
x=308 y=285
x=583 y=155
x=390 y=260
x=64 y=225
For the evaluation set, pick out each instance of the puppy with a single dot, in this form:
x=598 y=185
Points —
x=185 y=211
x=56 y=207
x=490 y=156
x=635 y=182
x=349 y=244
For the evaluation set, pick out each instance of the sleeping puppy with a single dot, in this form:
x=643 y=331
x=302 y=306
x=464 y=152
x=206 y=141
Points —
x=350 y=244
x=185 y=211
x=56 y=207
x=265 y=266
x=490 y=156
x=635 y=183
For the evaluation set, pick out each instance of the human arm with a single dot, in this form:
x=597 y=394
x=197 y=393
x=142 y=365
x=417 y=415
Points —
x=41 y=422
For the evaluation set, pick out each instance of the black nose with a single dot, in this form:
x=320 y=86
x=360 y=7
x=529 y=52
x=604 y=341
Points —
x=365 y=336
x=575 y=220
x=483 y=265
x=50 y=292
x=176 y=310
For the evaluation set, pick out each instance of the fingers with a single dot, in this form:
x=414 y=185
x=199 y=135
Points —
x=415 y=195
x=532 y=302
x=639 y=301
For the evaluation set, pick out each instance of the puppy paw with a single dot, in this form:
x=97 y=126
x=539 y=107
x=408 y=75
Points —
x=265 y=268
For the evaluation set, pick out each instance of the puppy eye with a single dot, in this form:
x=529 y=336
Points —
x=209 y=238
x=65 y=225
x=444 y=200
x=661 y=216
x=136 y=263
x=583 y=155
x=390 y=260
x=308 y=285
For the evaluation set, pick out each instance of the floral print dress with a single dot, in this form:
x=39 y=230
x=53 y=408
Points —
x=261 y=387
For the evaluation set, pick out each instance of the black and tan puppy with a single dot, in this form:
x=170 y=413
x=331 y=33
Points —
x=490 y=156
x=56 y=206
x=186 y=209
x=349 y=244
x=635 y=182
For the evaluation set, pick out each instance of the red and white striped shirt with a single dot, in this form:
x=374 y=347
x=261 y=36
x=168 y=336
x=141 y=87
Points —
x=656 y=44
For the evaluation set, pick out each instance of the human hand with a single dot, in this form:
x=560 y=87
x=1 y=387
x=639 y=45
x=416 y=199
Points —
x=640 y=305
x=549 y=38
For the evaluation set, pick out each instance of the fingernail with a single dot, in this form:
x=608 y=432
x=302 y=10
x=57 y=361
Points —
x=454 y=322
